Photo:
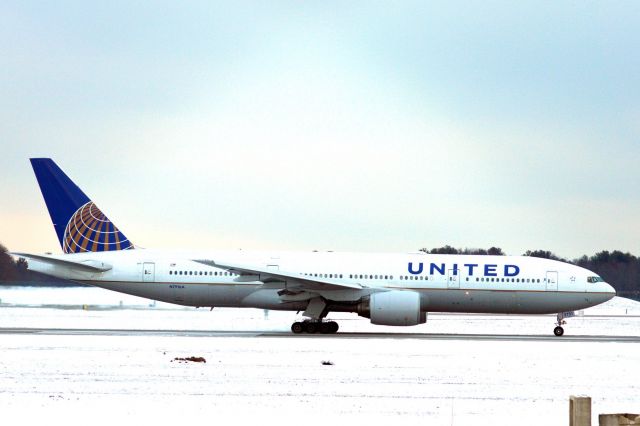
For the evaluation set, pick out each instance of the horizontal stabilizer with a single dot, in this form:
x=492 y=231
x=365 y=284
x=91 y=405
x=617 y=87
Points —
x=93 y=266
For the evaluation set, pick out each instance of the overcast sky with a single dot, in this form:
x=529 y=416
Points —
x=352 y=126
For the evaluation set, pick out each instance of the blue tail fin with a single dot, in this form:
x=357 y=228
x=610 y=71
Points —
x=79 y=224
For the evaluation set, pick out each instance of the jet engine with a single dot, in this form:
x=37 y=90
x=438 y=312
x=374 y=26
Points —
x=393 y=308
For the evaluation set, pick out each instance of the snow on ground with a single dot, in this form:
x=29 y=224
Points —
x=270 y=380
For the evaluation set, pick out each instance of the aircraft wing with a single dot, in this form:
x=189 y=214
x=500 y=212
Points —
x=294 y=280
x=85 y=266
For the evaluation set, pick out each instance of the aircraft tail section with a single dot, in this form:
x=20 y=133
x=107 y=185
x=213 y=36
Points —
x=79 y=224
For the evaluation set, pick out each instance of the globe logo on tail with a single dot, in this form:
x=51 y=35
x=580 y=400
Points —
x=89 y=230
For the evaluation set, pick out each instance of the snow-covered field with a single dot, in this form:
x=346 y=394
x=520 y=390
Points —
x=79 y=379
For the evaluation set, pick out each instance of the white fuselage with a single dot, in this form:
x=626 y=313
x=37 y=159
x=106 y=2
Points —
x=445 y=283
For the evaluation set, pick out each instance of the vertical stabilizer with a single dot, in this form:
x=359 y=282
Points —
x=79 y=223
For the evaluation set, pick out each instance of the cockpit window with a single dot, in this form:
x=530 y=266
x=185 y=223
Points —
x=595 y=279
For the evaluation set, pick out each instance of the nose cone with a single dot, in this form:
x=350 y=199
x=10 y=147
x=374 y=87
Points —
x=609 y=290
x=601 y=292
x=604 y=292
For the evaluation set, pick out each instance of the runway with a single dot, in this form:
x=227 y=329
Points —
x=286 y=334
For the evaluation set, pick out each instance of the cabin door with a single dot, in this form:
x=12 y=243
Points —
x=148 y=272
x=552 y=281
x=453 y=279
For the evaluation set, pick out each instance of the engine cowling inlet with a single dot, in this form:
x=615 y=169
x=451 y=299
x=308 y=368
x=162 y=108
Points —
x=400 y=308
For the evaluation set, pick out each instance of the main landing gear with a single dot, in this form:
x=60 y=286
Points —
x=559 y=331
x=312 y=327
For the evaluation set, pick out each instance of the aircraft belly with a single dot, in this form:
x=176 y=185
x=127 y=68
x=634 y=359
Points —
x=508 y=302
x=147 y=290
x=432 y=300
x=216 y=295
x=228 y=295
x=270 y=299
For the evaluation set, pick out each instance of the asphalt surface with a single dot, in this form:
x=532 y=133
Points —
x=339 y=335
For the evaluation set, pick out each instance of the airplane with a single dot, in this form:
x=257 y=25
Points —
x=396 y=289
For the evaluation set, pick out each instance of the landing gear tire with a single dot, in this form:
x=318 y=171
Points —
x=311 y=327
x=330 y=327
x=325 y=328
x=558 y=331
x=297 y=327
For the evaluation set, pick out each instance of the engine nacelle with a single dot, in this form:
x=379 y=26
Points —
x=393 y=308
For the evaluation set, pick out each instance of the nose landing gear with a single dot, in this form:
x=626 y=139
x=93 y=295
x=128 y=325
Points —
x=312 y=327
x=559 y=331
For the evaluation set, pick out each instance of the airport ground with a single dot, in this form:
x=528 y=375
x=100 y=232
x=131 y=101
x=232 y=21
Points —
x=107 y=364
